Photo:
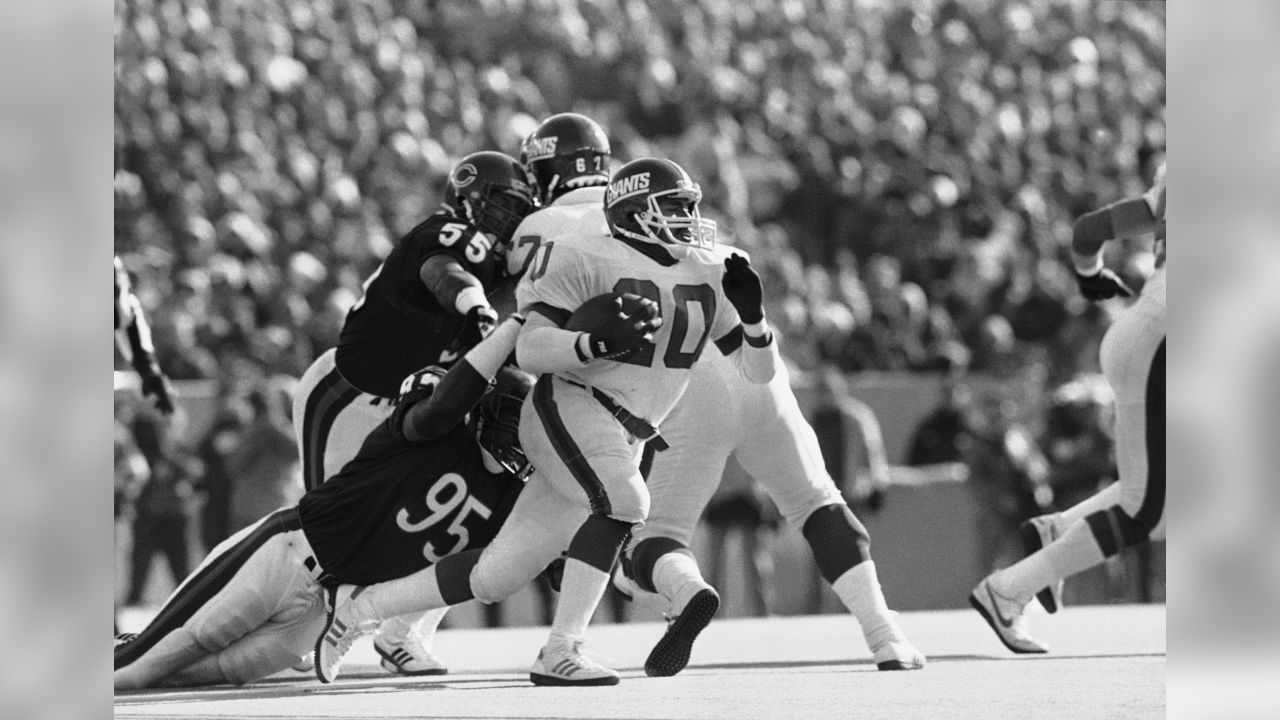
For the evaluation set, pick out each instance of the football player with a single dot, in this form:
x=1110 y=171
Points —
x=438 y=477
x=763 y=428
x=424 y=305
x=1133 y=361
x=140 y=351
x=567 y=160
x=603 y=390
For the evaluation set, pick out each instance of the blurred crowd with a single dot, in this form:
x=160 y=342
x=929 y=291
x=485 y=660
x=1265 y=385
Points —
x=904 y=174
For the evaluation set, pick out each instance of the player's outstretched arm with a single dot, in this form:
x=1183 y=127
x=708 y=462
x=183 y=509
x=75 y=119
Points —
x=1091 y=232
x=757 y=357
x=454 y=287
x=462 y=387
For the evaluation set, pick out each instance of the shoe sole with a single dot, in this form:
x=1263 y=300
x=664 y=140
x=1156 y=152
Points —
x=894 y=665
x=394 y=668
x=553 y=681
x=671 y=654
x=331 y=607
x=1031 y=544
x=986 y=615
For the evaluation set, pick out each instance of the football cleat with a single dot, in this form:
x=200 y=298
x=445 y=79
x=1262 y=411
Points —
x=305 y=664
x=343 y=626
x=1035 y=534
x=562 y=663
x=671 y=654
x=1007 y=617
x=891 y=650
x=407 y=655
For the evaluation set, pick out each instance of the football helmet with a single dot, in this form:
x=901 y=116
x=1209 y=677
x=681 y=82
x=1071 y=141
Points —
x=497 y=422
x=566 y=152
x=655 y=200
x=489 y=189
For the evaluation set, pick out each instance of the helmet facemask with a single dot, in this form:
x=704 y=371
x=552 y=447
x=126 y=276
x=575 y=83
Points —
x=497 y=419
x=671 y=217
x=498 y=211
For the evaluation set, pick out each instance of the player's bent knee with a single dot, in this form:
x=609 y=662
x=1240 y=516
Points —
x=1114 y=529
x=599 y=541
x=639 y=562
x=837 y=538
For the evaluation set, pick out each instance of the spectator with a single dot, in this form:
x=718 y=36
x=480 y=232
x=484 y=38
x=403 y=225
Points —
x=163 y=506
x=216 y=451
x=265 y=469
x=741 y=509
x=1008 y=476
x=939 y=436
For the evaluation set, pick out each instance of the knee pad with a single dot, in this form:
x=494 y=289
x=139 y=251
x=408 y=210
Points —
x=837 y=538
x=599 y=541
x=638 y=563
x=1114 y=530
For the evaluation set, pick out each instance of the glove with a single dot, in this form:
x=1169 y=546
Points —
x=156 y=385
x=624 y=337
x=1102 y=285
x=742 y=287
x=476 y=326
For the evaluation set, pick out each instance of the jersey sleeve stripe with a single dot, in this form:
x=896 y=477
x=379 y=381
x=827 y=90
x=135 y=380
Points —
x=731 y=341
x=544 y=403
x=559 y=316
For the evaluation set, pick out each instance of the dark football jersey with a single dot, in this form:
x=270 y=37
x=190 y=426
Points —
x=400 y=506
x=398 y=327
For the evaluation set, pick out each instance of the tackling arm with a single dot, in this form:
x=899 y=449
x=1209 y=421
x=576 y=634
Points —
x=461 y=388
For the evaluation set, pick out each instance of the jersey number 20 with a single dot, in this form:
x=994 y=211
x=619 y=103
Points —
x=452 y=486
x=680 y=352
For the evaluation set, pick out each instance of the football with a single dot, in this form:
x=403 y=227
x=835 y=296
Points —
x=604 y=313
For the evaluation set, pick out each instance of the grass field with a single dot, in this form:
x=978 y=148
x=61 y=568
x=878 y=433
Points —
x=1107 y=662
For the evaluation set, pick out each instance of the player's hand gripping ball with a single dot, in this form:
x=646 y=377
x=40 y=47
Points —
x=618 y=324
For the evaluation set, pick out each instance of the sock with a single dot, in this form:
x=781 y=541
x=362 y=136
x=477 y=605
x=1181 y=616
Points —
x=1074 y=551
x=402 y=596
x=580 y=593
x=859 y=589
x=677 y=577
x=426 y=625
x=1101 y=500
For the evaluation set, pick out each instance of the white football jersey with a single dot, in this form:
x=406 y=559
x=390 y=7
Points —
x=580 y=210
x=685 y=281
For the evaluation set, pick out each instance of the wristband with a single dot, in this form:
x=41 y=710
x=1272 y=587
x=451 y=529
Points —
x=584 y=355
x=468 y=298
x=757 y=334
x=1087 y=265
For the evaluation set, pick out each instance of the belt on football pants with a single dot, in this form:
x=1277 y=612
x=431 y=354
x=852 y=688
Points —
x=634 y=424
x=292 y=520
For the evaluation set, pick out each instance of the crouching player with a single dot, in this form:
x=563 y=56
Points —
x=435 y=479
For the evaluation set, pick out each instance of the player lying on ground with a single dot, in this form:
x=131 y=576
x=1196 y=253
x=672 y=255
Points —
x=610 y=376
x=1133 y=361
x=425 y=305
x=438 y=477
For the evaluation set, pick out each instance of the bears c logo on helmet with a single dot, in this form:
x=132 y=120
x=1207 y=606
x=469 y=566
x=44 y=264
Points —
x=465 y=175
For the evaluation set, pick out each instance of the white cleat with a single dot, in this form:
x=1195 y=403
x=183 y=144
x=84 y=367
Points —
x=1007 y=617
x=891 y=650
x=562 y=663
x=343 y=627
x=1036 y=533
x=407 y=655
